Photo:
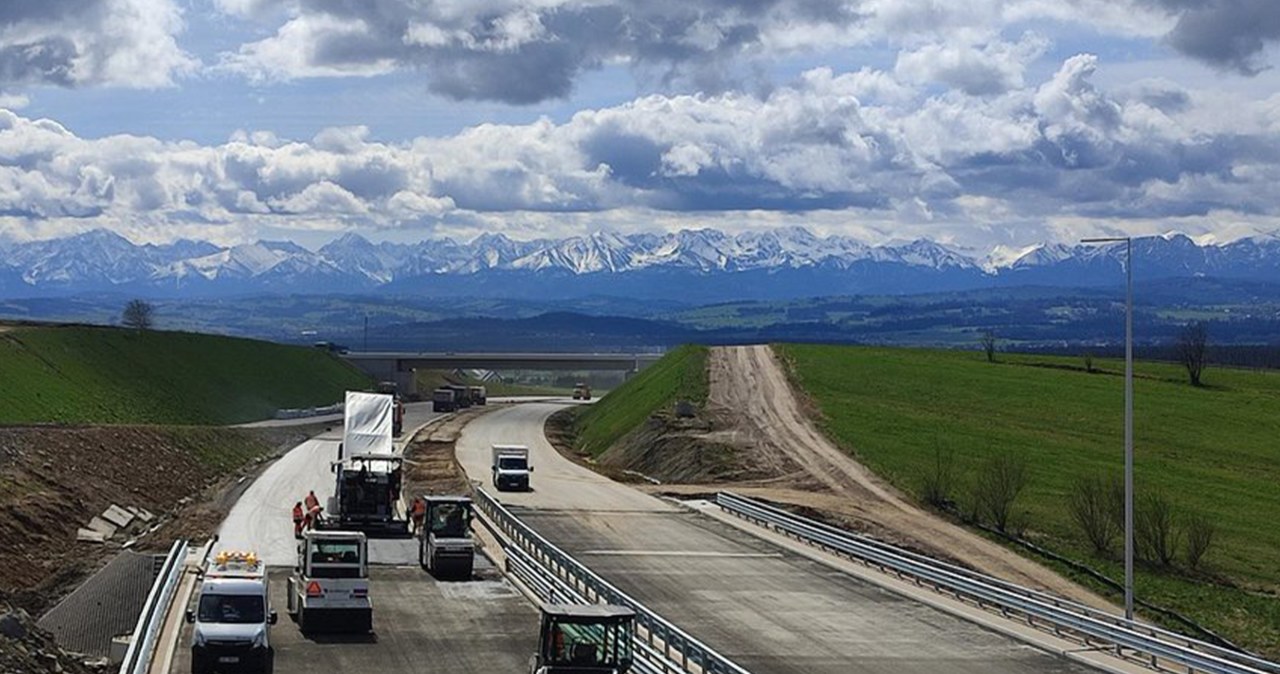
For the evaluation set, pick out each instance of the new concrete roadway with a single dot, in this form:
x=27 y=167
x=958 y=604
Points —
x=420 y=625
x=767 y=608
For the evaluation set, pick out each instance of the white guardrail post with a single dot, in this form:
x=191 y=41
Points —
x=1152 y=646
x=556 y=576
x=154 y=611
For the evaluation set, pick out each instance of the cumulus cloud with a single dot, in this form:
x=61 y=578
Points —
x=861 y=143
x=128 y=43
x=1229 y=34
x=524 y=52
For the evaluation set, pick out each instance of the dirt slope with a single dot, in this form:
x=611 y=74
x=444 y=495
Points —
x=750 y=390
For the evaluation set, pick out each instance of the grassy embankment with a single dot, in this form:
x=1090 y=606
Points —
x=1214 y=450
x=679 y=375
x=114 y=376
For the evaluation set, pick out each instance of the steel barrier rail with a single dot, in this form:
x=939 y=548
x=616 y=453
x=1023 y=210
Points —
x=551 y=589
x=670 y=640
x=1076 y=607
x=138 y=657
x=1156 y=650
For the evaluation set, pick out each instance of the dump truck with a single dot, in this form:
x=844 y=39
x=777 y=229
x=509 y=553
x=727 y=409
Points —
x=445 y=546
x=444 y=399
x=478 y=395
x=582 y=391
x=462 y=394
x=329 y=588
x=511 y=467
x=584 y=639
x=231 y=621
x=368 y=471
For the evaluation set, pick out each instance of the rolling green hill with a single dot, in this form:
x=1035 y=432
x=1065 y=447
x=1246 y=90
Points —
x=78 y=374
x=679 y=375
x=1214 y=450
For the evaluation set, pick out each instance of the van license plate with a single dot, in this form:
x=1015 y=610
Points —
x=228 y=659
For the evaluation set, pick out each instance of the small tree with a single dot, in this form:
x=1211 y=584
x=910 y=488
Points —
x=1155 y=530
x=988 y=341
x=938 y=478
x=999 y=482
x=138 y=314
x=1093 y=509
x=1088 y=362
x=1192 y=348
x=1200 y=533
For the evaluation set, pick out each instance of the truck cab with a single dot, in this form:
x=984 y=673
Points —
x=584 y=639
x=511 y=467
x=445 y=546
x=582 y=391
x=461 y=395
x=231 y=620
x=479 y=396
x=329 y=588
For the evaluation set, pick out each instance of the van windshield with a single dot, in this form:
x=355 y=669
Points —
x=231 y=608
x=510 y=463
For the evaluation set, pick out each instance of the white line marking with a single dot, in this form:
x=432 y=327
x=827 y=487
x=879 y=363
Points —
x=676 y=553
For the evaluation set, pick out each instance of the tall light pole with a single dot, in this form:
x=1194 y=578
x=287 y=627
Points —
x=1128 y=418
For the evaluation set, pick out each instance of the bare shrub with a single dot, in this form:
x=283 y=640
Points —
x=1200 y=532
x=988 y=341
x=939 y=478
x=1088 y=362
x=1093 y=509
x=1193 y=350
x=1155 y=532
x=138 y=314
x=999 y=481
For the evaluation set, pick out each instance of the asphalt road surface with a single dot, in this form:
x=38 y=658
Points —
x=770 y=610
x=421 y=626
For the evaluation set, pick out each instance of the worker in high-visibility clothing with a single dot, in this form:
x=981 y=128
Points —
x=298 y=519
x=313 y=510
x=417 y=513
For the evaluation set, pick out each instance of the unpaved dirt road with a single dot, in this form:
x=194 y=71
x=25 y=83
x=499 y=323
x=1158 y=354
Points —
x=749 y=385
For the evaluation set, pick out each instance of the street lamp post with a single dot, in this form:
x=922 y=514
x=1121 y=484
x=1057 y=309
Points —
x=1128 y=418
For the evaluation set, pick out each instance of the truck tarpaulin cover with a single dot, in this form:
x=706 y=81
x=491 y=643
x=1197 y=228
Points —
x=367 y=429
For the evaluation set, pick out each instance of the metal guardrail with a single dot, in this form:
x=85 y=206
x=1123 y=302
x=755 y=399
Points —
x=1151 y=646
x=138 y=657
x=659 y=635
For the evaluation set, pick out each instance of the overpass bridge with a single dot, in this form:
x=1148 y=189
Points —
x=392 y=365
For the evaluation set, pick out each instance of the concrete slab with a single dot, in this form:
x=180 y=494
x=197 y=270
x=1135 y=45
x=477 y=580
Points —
x=117 y=516
x=102 y=526
x=90 y=536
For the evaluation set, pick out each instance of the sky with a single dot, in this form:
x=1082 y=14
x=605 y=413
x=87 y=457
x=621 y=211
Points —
x=979 y=124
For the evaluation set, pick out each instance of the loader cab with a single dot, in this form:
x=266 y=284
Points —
x=333 y=554
x=584 y=639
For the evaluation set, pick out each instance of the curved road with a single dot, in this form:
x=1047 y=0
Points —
x=765 y=607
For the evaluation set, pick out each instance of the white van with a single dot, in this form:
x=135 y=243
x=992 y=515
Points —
x=232 y=617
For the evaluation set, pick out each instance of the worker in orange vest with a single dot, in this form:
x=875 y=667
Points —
x=417 y=513
x=313 y=509
x=298 y=519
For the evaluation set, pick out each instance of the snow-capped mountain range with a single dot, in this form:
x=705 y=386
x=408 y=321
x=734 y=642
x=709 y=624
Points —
x=698 y=264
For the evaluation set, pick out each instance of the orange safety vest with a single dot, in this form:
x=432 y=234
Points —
x=297 y=514
x=312 y=502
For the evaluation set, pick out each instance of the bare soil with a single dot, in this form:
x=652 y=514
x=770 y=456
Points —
x=775 y=452
x=430 y=464
x=53 y=480
x=27 y=649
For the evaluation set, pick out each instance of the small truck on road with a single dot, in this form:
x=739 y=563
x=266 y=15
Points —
x=445 y=546
x=511 y=467
x=329 y=588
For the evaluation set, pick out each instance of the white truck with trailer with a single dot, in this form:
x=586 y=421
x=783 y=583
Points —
x=511 y=467
x=329 y=588
x=368 y=470
x=231 y=620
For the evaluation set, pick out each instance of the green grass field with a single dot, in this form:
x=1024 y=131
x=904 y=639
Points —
x=679 y=375
x=1214 y=450
x=116 y=376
